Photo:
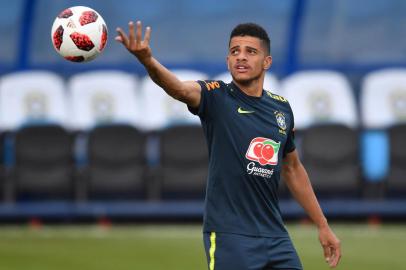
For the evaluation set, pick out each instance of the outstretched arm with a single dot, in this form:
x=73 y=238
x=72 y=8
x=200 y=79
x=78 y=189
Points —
x=187 y=92
x=297 y=180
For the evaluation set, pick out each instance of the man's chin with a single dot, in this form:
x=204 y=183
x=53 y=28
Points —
x=244 y=80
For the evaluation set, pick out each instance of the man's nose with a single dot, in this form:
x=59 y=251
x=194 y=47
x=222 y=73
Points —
x=242 y=56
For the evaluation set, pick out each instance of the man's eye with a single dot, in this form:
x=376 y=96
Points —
x=234 y=52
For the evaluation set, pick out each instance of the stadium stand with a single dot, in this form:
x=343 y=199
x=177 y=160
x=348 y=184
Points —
x=396 y=184
x=318 y=97
x=329 y=134
x=43 y=167
x=383 y=114
x=105 y=114
x=2 y=165
x=183 y=161
x=99 y=97
x=115 y=163
x=32 y=96
x=33 y=113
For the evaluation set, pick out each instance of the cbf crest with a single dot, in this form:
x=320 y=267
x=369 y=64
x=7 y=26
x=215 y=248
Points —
x=281 y=121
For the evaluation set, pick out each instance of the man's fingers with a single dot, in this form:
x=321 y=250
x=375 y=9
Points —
x=134 y=36
x=122 y=37
x=336 y=256
x=327 y=253
x=131 y=33
x=119 y=39
x=147 y=35
x=138 y=35
x=331 y=246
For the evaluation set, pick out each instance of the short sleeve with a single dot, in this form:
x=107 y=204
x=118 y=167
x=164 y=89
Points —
x=207 y=99
x=200 y=109
x=290 y=145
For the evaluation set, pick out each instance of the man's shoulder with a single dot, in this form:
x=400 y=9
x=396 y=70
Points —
x=279 y=101
x=276 y=97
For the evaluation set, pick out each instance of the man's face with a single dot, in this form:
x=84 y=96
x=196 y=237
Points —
x=247 y=59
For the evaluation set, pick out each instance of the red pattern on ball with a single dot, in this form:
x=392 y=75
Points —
x=65 y=14
x=103 y=38
x=75 y=58
x=58 y=37
x=88 y=17
x=82 y=41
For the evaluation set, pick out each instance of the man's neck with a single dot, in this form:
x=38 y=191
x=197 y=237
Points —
x=254 y=88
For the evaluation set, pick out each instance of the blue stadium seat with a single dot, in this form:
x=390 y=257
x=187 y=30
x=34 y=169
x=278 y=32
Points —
x=375 y=155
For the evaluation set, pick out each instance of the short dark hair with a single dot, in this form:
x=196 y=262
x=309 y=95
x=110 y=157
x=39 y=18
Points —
x=252 y=30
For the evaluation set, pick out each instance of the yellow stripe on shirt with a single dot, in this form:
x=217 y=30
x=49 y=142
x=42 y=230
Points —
x=212 y=250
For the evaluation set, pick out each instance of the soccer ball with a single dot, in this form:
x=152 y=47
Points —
x=79 y=34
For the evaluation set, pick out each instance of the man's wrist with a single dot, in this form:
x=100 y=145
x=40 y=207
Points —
x=322 y=223
x=145 y=61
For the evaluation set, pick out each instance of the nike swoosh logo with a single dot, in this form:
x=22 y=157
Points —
x=242 y=111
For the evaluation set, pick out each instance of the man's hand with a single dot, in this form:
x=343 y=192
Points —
x=331 y=246
x=134 y=43
x=188 y=92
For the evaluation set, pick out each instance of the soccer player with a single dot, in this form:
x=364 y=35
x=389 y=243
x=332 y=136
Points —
x=250 y=136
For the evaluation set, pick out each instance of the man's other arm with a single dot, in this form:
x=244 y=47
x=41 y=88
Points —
x=298 y=182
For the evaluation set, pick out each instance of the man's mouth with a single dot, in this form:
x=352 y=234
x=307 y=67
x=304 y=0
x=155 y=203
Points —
x=241 y=68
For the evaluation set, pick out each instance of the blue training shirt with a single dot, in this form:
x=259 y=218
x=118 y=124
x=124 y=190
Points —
x=247 y=139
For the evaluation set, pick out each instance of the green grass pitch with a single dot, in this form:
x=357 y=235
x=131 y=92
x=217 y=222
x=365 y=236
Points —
x=180 y=247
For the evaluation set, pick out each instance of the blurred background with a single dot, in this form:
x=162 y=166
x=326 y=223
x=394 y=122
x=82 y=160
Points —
x=99 y=144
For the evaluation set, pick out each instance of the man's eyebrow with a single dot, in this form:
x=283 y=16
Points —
x=248 y=47
x=252 y=48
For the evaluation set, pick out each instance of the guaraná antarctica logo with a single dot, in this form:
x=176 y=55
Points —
x=265 y=152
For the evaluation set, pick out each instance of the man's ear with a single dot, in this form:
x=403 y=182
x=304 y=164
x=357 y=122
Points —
x=228 y=65
x=267 y=62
